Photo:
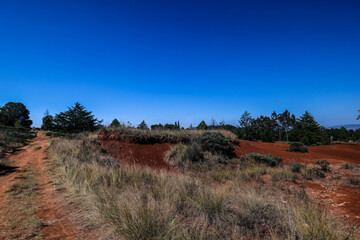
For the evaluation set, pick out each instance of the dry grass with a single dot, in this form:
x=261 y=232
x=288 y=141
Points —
x=139 y=203
x=167 y=133
x=22 y=199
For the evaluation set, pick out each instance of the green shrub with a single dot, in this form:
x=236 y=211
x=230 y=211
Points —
x=297 y=147
x=316 y=173
x=194 y=153
x=354 y=181
x=267 y=159
x=216 y=143
x=325 y=165
x=346 y=166
x=296 y=167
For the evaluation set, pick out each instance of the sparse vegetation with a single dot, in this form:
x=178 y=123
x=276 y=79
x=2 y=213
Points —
x=297 y=147
x=324 y=165
x=267 y=159
x=22 y=221
x=139 y=203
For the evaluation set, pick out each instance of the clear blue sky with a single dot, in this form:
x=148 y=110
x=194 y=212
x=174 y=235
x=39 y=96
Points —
x=182 y=60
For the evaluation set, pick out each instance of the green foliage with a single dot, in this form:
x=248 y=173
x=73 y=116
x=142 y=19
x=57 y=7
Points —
x=194 y=153
x=325 y=165
x=202 y=126
x=12 y=138
x=115 y=123
x=75 y=119
x=216 y=143
x=297 y=167
x=13 y=112
x=267 y=159
x=306 y=130
x=47 y=122
x=317 y=173
x=143 y=125
x=297 y=147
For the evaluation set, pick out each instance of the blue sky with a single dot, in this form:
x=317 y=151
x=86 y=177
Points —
x=164 y=61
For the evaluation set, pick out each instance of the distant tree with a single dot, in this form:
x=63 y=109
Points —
x=76 y=119
x=213 y=123
x=306 y=130
x=359 y=115
x=12 y=112
x=115 y=123
x=143 y=125
x=170 y=126
x=47 y=121
x=202 y=126
x=157 y=126
x=245 y=127
x=286 y=122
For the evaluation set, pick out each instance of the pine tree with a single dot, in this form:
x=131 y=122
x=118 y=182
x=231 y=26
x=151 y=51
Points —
x=76 y=119
x=307 y=130
x=202 y=126
x=143 y=125
x=115 y=123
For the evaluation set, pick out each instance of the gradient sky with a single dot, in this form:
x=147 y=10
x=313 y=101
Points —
x=182 y=60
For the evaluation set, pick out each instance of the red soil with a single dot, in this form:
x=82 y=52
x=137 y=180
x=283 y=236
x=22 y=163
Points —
x=51 y=210
x=150 y=155
x=335 y=154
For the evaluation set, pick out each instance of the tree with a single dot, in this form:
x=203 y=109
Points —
x=286 y=122
x=76 y=119
x=306 y=130
x=115 y=123
x=202 y=126
x=14 y=111
x=143 y=125
x=245 y=128
x=47 y=121
x=359 y=115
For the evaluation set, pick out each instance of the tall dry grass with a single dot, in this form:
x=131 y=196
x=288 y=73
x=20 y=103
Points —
x=139 y=203
x=167 y=133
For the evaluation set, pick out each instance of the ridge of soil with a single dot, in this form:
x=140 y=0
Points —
x=51 y=210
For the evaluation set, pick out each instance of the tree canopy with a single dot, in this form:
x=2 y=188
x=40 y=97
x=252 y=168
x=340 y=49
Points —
x=75 y=119
x=15 y=112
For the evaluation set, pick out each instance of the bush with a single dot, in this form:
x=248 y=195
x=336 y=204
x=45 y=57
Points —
x=297 y=147
x=354 y=181
x=316 y=173
x=325 y=165
x=216 y=143
x=194 y=153
x=296 y=167
x=267 y=159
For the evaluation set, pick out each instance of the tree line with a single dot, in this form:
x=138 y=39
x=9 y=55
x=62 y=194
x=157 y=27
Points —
x=276 y=127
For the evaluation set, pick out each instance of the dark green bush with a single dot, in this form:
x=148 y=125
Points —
x=317 y=173
x=194 y=152
x=267 y=159
x=296 y=167
x=325 y=165
x=297 y=147
x=216 y=143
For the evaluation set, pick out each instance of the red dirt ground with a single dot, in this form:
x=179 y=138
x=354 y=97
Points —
x=150 y=155
x=335 y=154
x=51 y=211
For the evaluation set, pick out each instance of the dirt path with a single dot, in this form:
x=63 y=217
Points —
x=51 y=211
